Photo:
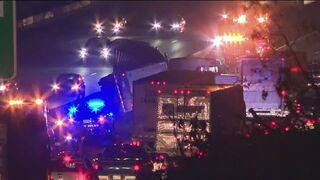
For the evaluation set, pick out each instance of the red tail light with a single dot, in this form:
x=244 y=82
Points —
x=66 y=159
x=163 y=167
x=136 y=167
x=135 y=143
x=161 y=157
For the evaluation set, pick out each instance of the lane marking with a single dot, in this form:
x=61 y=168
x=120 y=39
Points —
x=92 y=74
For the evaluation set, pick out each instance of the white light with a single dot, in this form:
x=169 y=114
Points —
x=98 y=28
x=59 y=122
x=38 y=101
x=69 y=137
x=75 y=87
x=217 y=41
x=156 y=26
x=117 y=25
x=3 y=87
x=15 y=102
x=175 y=26
x=242 y=19
x=262 y=19
x=71 y=119
x=224 y=16
x=83 y=53
x=105 y=53
x=55 y=87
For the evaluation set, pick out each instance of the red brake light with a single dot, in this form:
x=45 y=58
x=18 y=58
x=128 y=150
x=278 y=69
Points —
x=161 y=157
x=286 y=129
x=163 y=167
x=136 y=167
x=66 y=159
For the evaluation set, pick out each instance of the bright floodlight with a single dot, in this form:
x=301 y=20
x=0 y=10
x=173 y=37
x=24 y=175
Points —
x=217 y=41
x=98 y=28
x=83 y=53
x=3 y=87
x=242 y=19
x=175 y=26
x=55 y=87
x=38 y=101
x=75 y=87
x=105 y=53
x=69 y=137
x=262 y=19
x=156 y=26
x=59 y=122
x=224 y=16
x=15 y=102
x=117 y=26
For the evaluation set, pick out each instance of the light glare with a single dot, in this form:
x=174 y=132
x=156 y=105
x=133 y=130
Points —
x=38 y=101
x=3 y=87
x=83 y=53
x=156 y=26
x=105 y=53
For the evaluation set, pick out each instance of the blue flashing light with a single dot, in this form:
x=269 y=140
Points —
x=96 y=105
x=72 y=111
x=110 y=114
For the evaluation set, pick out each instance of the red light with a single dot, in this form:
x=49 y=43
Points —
x=158 y=83
x=163 y=167
x=182 y=92
x=82 y=177
x=175 y=164
x=134 y=143
x=164 y=83
x=188 y=92
x=286 y=129
x=208 y=92
x=161 y=157
x=66 y=159
x=96 y=166
x=311 y=122
x=152 y=82
x=266 y=132
x=295 y=69
x=298 y=111
x=283 y=93
x=159 y=91
x=175 y=91
x=273 y=123
x=136 y=167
